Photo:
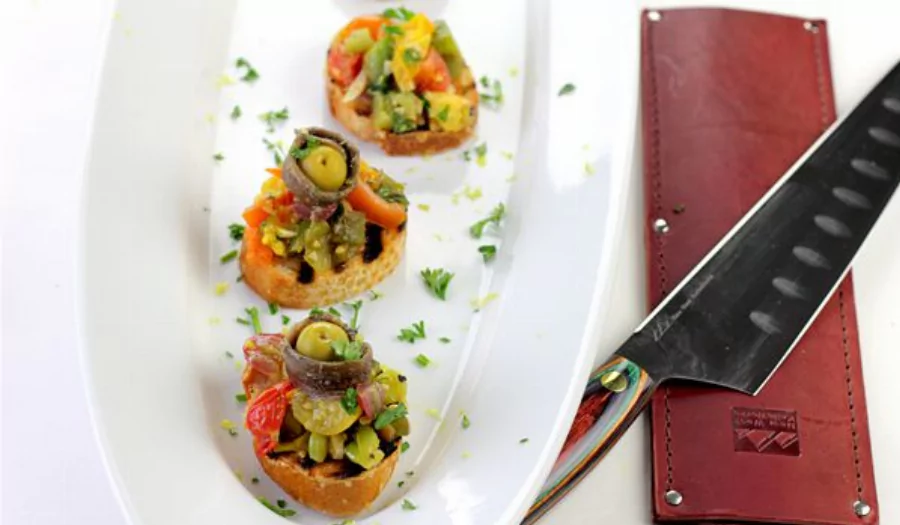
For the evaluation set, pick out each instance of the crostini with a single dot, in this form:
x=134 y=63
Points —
x=327 y=419
x=400 y=80
x=325 y=226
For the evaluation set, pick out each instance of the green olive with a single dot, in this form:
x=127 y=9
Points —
x=395 y=384
x=315 y=340
x=318 y=447
x=364 y=449
x=326 y=167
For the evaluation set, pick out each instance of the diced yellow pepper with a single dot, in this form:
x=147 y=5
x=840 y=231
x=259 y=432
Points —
x=448 y=112
x=410 y=49
x=270 y=239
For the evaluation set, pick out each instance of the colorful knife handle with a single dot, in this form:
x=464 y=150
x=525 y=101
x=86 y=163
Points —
x=616 y=394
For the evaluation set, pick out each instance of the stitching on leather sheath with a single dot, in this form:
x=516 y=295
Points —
x=848 y=376
x=849 y=379
x=820 y=76
x=661 y=261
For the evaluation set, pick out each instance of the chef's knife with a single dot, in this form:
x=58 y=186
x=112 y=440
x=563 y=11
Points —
x=736 y=316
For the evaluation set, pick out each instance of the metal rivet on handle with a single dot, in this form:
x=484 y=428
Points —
x=654 y=16
x=812 y=27
x=661 y=226
x=861 y=508
x=674 y=498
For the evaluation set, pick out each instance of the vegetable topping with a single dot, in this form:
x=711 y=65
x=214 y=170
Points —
x=339 y=410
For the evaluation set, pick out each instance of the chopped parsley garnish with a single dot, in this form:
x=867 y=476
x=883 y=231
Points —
x=218 y=157
x=240 y=398
x=390 y=415
x=401 y=124
x=284 y=513
x=443 y=114
x=411 y=56
x=423 y=360
x=228 y=257
x=433 y=413
x=253 y=312
x=272 y=118
x=239 y=278
x=523 y=441
x=481 y=154
x=334 y=311
x=221 y=288
x=229 y=355
x=400 y=13
x=488 y=252
x=494 y=94
x=423 y=207
x=229 y=426
x=444 y=340
x=281 y=504
x=404 y=447
x=250 y=73
x=496 y=215
x=316 y=311
x=347 y=350
x=588 y=168
x=467 y=155
x=356 y=306
x=464 y=421
x=437 y=280
x=409 y=335
x=236 y=232
x=277 y=149
x=392 y=193
x=309 y=145
x=400 y=484
x=254 y=480
x=236 y=112
x=567 y=89
x=349 y=401
x=273 y=308
x=408 y=505
x=375 y=295
x=393 y=30
x=241 y=320
x=285 y=320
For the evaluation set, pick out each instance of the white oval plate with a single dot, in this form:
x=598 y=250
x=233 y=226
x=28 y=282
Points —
x=156 y=338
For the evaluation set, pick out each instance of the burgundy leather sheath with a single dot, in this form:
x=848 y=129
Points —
x=730 y=100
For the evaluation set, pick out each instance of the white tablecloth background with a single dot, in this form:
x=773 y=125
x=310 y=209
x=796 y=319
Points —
x=52 y=471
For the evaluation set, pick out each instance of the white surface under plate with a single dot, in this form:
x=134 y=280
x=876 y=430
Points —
x=156 y=211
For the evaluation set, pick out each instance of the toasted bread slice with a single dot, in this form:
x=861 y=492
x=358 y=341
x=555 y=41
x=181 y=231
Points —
x=412 y=143
x=327 y=487
x=300 y=287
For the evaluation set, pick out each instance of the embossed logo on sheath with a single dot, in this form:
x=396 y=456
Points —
x=765 y=431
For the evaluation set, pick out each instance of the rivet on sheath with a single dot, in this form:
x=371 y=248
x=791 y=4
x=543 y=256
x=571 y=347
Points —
x=861 y=508
x=674 y=498
x=654 y=16
x=812 y=27
x=614 y=381
x=661 y=226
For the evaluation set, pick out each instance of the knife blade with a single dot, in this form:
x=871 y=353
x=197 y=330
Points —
x=737 y=315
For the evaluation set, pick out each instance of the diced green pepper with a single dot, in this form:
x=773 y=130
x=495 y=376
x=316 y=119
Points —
x=444 y=43
x=358 y=41
x=381 y=111
x=374 y=62
x=406 y=111
x=317 y=246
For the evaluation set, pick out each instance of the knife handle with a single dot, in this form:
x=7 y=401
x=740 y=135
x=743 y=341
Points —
x=616 y=394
